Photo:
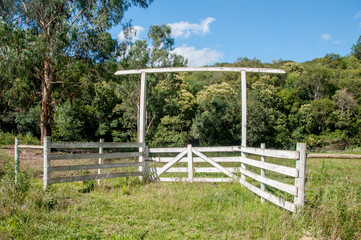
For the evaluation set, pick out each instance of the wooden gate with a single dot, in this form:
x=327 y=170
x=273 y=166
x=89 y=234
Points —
x=236 y=164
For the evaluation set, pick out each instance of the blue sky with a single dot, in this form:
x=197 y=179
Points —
x=210 y=31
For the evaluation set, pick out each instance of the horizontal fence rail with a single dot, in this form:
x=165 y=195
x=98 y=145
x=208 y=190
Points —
x=191 y=155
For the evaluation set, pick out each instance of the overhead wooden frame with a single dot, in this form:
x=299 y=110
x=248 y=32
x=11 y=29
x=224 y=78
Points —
x=242 y=70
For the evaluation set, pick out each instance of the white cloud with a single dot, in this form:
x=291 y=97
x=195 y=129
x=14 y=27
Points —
x=326 y=37
x=198 y=58
x=131 y=33
x=185 y=29
x=336 y=42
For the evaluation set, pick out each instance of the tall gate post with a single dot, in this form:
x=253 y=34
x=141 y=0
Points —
x=300 y=180
x=46 y=151
x=141 y=127
x=244 y=117
x=17 y=159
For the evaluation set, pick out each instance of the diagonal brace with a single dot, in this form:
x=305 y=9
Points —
x=225 y=171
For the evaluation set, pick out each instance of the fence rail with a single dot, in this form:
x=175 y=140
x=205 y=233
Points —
x=48 y=157
x=192 y=155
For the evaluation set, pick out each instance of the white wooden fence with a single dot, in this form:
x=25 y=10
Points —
x=48 y=157
x=193 y=159
x=191 y=155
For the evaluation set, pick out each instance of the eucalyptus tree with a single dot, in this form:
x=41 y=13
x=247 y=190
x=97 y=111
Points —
x=62 y=31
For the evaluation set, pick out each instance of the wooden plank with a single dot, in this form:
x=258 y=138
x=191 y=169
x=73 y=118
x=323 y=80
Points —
x=196 y=159
x=270 y=197
x=338 y=156
x=164 y=179
x=31 y=147
x=168 y=165
x=273 y=183
x=166 y=150
x=94 y=177
x=94 y=145
x=269 y=152
x=93 y=166
x=94 y=155
x=214 y=149
x=200 y=69
x=225 y=171
x=293 y=172
x=199 y=169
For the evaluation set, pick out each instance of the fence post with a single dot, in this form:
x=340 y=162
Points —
x=263 y=173
x=300 y=180
x=17 y=159
x=146 y=163
x=100 y=160
x=46 y=151
x=190 y=163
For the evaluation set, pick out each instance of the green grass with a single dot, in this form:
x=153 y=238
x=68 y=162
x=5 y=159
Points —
x=125 y=208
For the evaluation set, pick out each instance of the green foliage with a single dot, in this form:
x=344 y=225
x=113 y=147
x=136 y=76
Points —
x=217 y=121
x=356 y=49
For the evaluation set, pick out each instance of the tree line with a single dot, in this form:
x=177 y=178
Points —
x=57 y=64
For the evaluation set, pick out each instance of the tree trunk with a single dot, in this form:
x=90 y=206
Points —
x=46 y=101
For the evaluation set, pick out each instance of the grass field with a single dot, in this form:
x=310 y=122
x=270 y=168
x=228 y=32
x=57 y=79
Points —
x=129 y=209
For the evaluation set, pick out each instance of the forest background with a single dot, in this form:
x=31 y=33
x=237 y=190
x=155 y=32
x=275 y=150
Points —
x=57 y=79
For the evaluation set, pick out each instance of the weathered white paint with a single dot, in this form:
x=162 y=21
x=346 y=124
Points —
x=166 y=150
x=291 y=189
x=195 y=159
x=168 y=165
x=31 y=147
x=270 y=197
x=200 y=69
x=292 y=172
x=268 y=152
x=46 y=164
x=263 y=173
x=190 y=162
x=100 y=160
x=142 y=114
x=94 y=166
x=300 y=180
x=94 y=155
x=169 y=179
x=225 y=171
x=93 y=177
x=96 y=145
x=17 y=159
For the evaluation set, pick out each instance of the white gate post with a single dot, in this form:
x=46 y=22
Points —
x=190 y=163
x=141 y=127
x=17 y=159
x=46 y=151
x=263 y=173
x=300 y=180
x=100 y=160
x=244 y=117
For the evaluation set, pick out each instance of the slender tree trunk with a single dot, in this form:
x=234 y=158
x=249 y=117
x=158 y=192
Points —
x=46 y=101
